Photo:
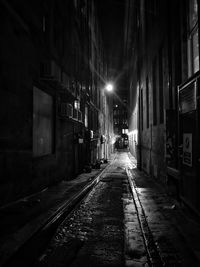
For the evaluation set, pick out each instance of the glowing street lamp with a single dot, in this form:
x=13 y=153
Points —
x=109 y=87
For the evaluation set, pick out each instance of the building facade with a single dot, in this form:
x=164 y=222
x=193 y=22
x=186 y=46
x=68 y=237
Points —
x=53 y=106
x=120 y=118
x=162 y=68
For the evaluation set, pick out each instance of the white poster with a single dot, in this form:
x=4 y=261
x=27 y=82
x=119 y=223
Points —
x=187 y=149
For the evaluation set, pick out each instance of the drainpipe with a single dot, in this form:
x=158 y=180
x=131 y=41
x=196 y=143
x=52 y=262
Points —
x=150 y=163
x=139 y=151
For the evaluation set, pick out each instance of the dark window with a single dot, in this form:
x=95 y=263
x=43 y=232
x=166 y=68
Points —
x=161 y=86
x=154 y=93
x=147 y=101
x=42 y=123
x=142 y=109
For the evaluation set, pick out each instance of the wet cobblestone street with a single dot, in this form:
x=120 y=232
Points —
x=94 y=233
x=120 y=224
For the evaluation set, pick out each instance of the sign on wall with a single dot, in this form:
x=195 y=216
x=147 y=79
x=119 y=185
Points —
x=187 y=149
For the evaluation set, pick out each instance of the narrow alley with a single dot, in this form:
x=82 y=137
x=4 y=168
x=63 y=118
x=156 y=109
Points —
x=100 y=130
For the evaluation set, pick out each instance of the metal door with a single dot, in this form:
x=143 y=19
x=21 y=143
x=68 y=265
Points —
x=189 y=144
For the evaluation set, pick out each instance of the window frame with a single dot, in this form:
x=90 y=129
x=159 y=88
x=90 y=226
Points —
x=51 y=150
x=193 y=29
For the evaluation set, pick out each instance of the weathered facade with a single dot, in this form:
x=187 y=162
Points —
x=53 y=106
x=162 y=51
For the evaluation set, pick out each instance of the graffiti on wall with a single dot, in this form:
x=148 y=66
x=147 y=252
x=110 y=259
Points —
x=187 y=149
x=170 y=138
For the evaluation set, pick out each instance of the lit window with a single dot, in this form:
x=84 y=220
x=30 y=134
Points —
x=193 y=13
x=86 y=116
x=77 y=104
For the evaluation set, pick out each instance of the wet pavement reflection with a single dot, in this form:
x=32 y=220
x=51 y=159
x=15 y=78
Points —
x=120 y=224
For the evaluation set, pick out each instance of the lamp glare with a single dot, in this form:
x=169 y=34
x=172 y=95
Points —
x=109 y=87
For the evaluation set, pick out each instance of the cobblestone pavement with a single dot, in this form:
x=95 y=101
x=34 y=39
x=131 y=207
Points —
x=23 y=219
x=108 y=227
x=93 y=234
